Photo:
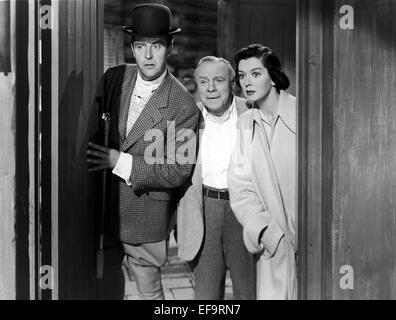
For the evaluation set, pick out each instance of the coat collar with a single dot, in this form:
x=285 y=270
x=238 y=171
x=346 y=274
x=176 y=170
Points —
x=286 y=111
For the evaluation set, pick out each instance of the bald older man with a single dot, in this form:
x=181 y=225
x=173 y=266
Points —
x=208 y=233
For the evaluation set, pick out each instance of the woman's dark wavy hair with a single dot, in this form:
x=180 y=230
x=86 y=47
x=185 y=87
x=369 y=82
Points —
x=269 y=61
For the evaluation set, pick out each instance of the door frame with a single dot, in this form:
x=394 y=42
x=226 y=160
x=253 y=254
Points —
x=315 y=147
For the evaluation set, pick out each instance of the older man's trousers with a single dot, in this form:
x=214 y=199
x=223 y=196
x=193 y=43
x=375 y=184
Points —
x=223 y=249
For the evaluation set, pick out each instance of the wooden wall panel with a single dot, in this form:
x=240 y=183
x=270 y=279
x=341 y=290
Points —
x=272 y=23
x=17 y=151
x=7 y=157
x=198 y=21
x=7 y=188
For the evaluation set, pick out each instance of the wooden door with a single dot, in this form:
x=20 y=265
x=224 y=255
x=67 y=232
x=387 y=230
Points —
x=347 y=146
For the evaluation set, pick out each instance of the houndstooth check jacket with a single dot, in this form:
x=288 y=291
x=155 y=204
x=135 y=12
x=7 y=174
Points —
x=143 y=212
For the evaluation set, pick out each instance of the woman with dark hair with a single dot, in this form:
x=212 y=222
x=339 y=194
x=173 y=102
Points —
x=261 y=176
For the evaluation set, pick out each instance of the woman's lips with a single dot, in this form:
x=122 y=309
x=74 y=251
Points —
x=250 y=92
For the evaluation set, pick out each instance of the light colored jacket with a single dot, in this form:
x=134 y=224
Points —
x=190 y=223
x=261 y=181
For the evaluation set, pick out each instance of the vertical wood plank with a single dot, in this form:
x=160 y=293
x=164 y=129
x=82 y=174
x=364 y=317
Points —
x=310 y=106
x=54 y=145
x=227 y=28
x=99 y=37
x=32 y=147
x=63 y=102
x=7 y=167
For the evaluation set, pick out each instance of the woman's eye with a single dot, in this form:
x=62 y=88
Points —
x=241 y=76
x=255 y=74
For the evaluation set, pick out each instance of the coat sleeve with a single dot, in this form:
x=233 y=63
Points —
x=246 y=204
x=173 y=172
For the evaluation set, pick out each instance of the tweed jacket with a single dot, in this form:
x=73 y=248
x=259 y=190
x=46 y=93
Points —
x=261 y=181
x=143 y=212
x=190 y=215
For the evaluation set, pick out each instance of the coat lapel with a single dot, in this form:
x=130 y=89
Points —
x=197 y=175
x=150 y=115
x=127 y=88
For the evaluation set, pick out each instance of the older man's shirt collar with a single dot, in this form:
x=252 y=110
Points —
x=206 y=114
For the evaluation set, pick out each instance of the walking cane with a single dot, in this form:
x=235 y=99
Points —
x=100 y=251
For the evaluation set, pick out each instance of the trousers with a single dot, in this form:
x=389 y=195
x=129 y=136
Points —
x=144 y=262
x=223 y=249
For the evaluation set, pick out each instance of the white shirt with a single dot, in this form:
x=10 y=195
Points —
x=141 y=94
x=218 y=141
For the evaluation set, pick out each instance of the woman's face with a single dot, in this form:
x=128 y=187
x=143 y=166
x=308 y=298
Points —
x=254 y=79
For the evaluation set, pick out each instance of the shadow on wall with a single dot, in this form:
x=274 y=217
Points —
x=80 y=202
x=22 y=147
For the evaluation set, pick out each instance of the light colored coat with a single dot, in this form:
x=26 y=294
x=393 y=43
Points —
x=261 y=181
x=190 y=223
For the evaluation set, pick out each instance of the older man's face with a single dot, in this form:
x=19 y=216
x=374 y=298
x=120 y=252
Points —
x=214 y=86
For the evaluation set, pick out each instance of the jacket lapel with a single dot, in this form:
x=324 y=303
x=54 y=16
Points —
x=150 y=115
x=197 y=175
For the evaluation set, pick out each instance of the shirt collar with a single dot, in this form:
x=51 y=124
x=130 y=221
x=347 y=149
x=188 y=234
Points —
x=150 y=85
x=229 y=112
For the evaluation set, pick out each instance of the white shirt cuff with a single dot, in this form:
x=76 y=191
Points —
x=123 y=167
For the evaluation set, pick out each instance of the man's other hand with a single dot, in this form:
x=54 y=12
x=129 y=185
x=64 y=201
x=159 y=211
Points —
x=100 y=157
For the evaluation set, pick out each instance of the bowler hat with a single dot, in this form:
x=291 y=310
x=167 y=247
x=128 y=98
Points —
x=151 y=20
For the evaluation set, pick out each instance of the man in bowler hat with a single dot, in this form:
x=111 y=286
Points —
x=144 y=100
